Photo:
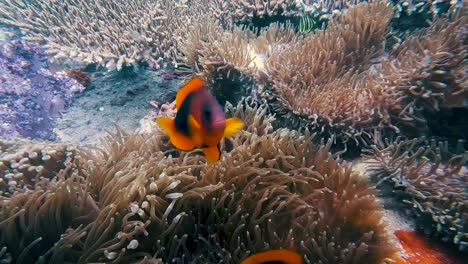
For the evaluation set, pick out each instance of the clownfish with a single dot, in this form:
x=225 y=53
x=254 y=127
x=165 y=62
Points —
x=200 y=121
x=274 y=256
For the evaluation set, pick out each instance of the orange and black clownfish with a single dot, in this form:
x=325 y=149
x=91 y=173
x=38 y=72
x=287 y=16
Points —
x=274 y=256
x=200 y=121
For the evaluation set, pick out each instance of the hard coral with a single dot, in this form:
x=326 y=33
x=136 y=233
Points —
x=32 y=95
x=112 y=34
x=152 y=203
x=429 y=180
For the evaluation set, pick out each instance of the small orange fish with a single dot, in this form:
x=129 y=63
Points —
x=200 y=121
x=274 y=256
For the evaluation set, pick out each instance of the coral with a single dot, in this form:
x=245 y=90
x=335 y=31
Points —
x=151 y=203
x=429 y=180
x=112 y=34
x=32 y=95
x=258 y=13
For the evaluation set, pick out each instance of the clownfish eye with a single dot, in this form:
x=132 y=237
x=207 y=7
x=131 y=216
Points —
x=207 y=114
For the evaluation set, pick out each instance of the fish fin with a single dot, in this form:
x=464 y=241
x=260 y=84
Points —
x=233 y=125
x=194 y=84
x=285 y=256
x=193 y=124
x=195 y=131
x=212 y=154
x=177 y=139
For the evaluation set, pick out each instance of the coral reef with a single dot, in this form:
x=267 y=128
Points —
x=136 y=199
x=32 y=95
x=429 y=180
x=112 y=34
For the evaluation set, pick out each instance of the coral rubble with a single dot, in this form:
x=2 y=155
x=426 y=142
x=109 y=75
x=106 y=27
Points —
x=137 y=199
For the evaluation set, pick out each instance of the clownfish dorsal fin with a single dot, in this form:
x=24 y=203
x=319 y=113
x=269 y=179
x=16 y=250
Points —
x=284 y=256
x=177 y=139
x=233 y=125
x=212 y=154
x=194 y=84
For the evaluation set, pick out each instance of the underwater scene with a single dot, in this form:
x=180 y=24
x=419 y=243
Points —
x=235 y=132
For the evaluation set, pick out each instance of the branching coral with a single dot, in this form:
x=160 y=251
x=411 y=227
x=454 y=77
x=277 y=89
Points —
x=429 y=180
x=271 y=189
x=258 y=13
x=31 y=95
x=112 y=34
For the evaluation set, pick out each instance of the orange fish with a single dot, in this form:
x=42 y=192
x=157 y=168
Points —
x=200 y=121
x=419 y=250
x=274 y=256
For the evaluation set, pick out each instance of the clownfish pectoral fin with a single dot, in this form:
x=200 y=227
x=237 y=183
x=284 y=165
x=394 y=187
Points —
x=212 y=154
x=233 y=125
x=177 y=139
x=195 y=131
x=194 y=84
x=194 y=126
x=284 y=256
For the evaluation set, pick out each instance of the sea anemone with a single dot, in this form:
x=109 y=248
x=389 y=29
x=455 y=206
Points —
x=138 y=199
x=429 y=179
x=325 y=80
x=429 y=71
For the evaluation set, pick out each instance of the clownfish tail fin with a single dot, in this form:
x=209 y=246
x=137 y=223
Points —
x=233 y=125
x=194 y=84
x=177 y=139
